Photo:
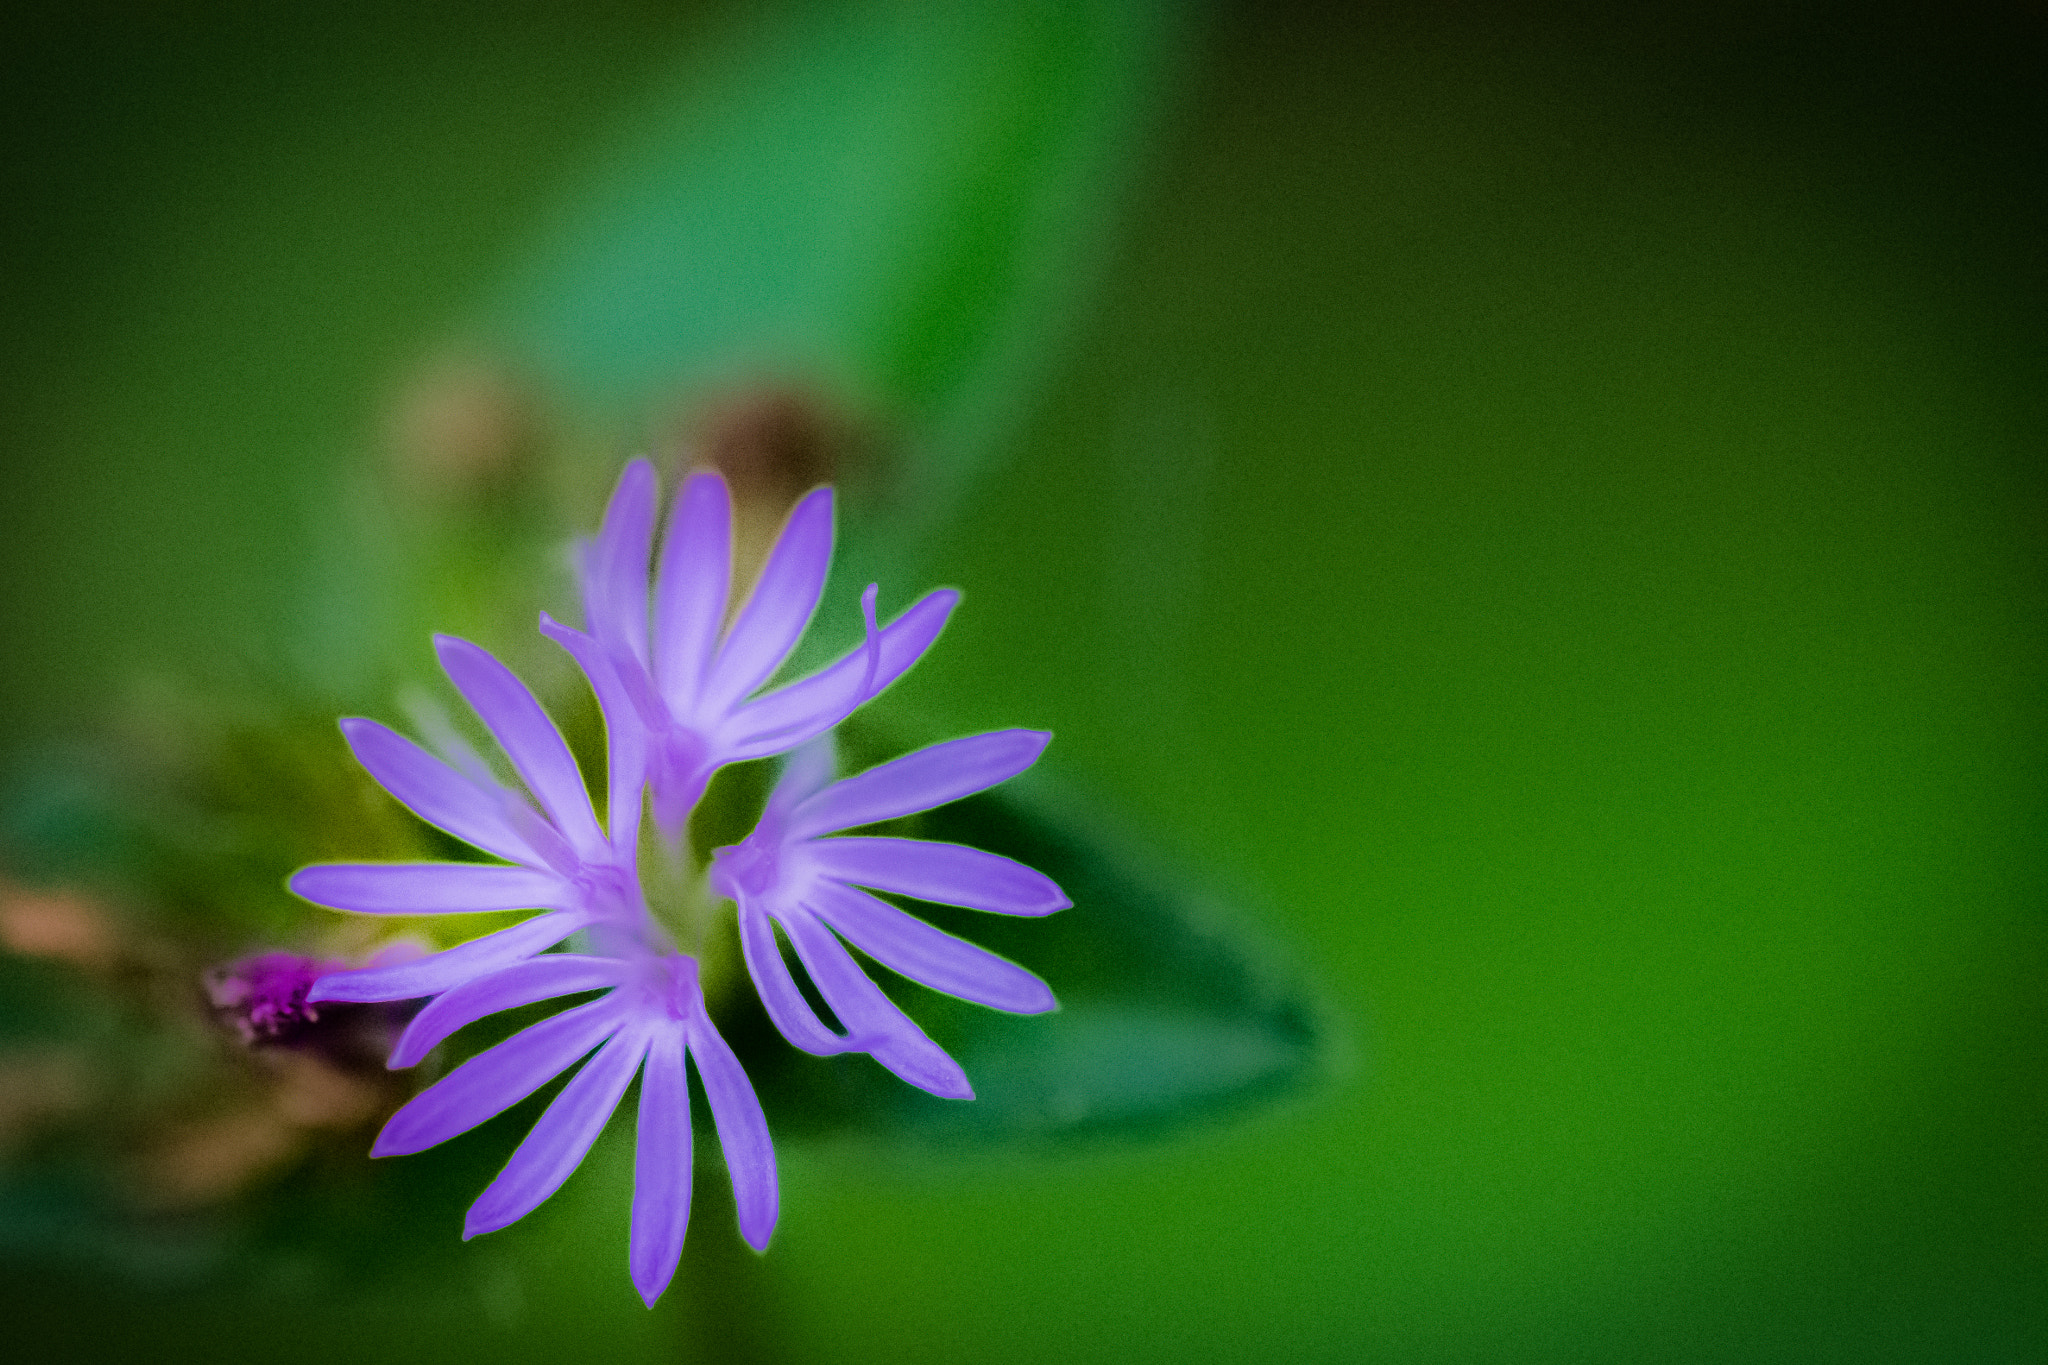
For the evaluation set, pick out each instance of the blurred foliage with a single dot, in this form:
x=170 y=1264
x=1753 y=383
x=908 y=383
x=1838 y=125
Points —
x=888 y=211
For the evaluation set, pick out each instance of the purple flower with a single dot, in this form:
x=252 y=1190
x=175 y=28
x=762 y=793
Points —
x=688 y=680
x=652 y=1012
x=562 y=862
x=586 y=879
x=786 y=873
x=678 y=691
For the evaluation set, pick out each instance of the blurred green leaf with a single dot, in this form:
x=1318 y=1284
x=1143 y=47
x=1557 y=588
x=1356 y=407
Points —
x=1170 y=1013
x=887 y=211
x=895 y=203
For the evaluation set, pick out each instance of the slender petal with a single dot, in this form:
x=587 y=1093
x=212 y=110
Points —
x=522 y=983
x=437 y=793
x=742 y=1129
x=889 y=1035
x=918 y=781
x=615 y=581
x=789 y=715
x=786 y=1006
x=491 y=1082
x=625 y=731
x=951 y=874
x=528 y=737
x=781 y=604
x=695 y=581
x=430 y=888
x=445 y=970
x=661 y=1167
x=558 y=1141
x=903 y=943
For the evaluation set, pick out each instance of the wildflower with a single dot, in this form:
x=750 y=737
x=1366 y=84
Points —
x=584 y=878
x=563 y=863
x=677 y=691
x=688 y=681
x=652 y=1013
x=786 y=873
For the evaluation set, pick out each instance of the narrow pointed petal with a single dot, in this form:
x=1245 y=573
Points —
x=625 y=730
x=951 y=874
x=447 y=970
x=786 y=1006
x=661 y=1168
x=918 y=781
x=615 y=569
x=790 y=715
x=430 y=888
x=522 y=983
x=491 y=1082
x=903 y=943
x=888 y=1034
x=742 y=1129
x=780 y=606
x=528 y=737
x=436 y=792
x=692 y=589
x=561 y=1138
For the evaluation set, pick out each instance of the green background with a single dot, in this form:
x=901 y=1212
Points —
x=1542 y=506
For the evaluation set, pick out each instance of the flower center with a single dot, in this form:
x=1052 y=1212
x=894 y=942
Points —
x=745 y=869
x=609 y=891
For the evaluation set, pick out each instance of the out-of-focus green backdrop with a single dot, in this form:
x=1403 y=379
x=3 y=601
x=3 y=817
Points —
x=1543 y=507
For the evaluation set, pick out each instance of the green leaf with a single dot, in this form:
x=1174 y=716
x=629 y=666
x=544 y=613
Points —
x=1170 y=1012
x=893 y=203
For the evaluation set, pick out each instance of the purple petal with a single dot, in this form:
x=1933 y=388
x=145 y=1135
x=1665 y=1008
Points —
x=789 y=715
x=918 y=781
x=805 y=772
x=447 y=970
x=491 y=1082
x=888 y=1033
x=661 y=1167
x=528 y=737
x=691 y=591
x=903 y=943
x=522 y=983
x=742 y=1129
x=615 y=570
x=559 y=1141
x=780 y=606
x=625 y=730
x=786 y=1006
x=430 y=888
x=437 y=793
x=951 y=874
